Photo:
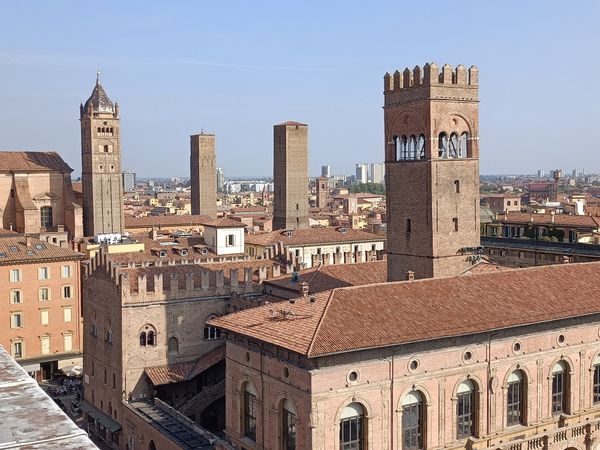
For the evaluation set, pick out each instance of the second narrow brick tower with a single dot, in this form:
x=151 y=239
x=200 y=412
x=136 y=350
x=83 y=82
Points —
x=431 y=120
x=290 y=176
x=203 y=174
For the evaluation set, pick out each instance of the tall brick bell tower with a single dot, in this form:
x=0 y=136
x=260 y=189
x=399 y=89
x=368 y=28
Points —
x=432 y=170
x=101 y=174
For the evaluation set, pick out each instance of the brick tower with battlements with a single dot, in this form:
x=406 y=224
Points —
x=101 y=174
x=431 y=120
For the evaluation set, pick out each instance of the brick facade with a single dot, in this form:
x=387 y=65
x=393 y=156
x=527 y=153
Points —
x=203 y=175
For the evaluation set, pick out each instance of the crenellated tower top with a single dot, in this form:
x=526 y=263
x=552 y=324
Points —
x=431 y=74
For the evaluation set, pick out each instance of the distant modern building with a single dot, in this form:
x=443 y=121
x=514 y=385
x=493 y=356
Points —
x=128 y=180
x=203 y=175
x=220 y=179
x=362 y=173
x=101 y=164
x=326 y=171
x=290 y=173
x=541 y=173
x=377 y=173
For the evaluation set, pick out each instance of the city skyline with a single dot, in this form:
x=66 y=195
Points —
x=233 y=84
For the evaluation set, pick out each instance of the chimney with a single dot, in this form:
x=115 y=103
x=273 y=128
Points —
x=410 y=276
x=28 y=241
x=304 y=289
x=552 y=214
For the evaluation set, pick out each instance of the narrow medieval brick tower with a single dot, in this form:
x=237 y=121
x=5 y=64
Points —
x=432 y=166
x=101 y=176
x=203 y=174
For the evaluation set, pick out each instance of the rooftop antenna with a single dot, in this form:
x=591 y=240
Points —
x=98 y=77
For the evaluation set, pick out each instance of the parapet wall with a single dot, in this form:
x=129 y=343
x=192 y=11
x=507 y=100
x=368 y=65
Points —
x=431 y=74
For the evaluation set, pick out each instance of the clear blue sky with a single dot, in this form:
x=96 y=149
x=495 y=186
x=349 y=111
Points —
x=236 y=68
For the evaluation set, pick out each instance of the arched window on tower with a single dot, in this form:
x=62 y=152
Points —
x=46 y=216
x=463 y=145
x=173 y=346
x=106 y=149
x=443 y=145
x=412 y=147
x=147 y=336
x=421 y=146
x=403 y=148
x=453 y=146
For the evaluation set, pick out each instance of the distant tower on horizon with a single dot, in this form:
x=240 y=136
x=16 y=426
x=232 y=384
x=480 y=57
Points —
x=128 y=180
x=101 y=177
x=362 y=173
x=203 y=175
x=290 y=176
x=431 y=119
x=220 y=179
x=322 y=191
x=326 y=171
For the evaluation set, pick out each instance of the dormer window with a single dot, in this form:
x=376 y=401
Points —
x=288 y=233
x=183 y=252
x=162 y=253
x=342 y=229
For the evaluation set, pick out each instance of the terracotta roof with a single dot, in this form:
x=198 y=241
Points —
x=11 y=161
x=336 y=320
x=174 y=373
x=224 y=222
x=546 y=219
x=13 y=249
x=312 y=236
x=334 y=276
x=165 y=221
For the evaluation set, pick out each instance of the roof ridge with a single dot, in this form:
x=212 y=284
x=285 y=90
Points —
x=318 y=327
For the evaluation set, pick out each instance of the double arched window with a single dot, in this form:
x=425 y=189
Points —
x=454 y=146
x=466 y=409
x=288 y=425
x=148 y=336
x=515 y=399
x=211 y=333
x=352 y=427
x=413 y=421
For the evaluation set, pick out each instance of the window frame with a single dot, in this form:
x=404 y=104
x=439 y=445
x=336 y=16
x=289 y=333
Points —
x=63 y=291
x=69 y=271
x=46 y=220
x=249 y=414
x=596 y=384
x=289 y=428
x=411 y=432
x=18 y=277
x=44 y=270
x=515 y=402
x=346 y=425
x=558 y=403
x=466 y=413
x=19 y=296
x=13 y=345
x=40 y=295
x=16 y=320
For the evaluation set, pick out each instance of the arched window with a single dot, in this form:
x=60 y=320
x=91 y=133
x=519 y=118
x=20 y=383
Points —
x=443 y=145
x=352 y=426
x=421 y=146
x=46 y=216
x=143 y=339
x=457 y=186
x=288 y=425
x=596 y=387
x=453 y=146
x=99 y=130
x=560 y=382
x=515 y=399
x=250 y=408
x=463 y=145
x=151 y=339
x=465 y=410
x=173 y=346
x=412 y=147
x=211 y=333
x=413 y=421
x=151 y=445
x=106 y=149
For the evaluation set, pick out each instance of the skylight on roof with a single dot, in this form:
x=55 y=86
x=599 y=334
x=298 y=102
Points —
x=2 y=255
x=40 y=246
x=13 y=249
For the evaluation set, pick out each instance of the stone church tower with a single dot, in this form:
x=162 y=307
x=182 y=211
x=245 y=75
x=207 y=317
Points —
x=432 y=164
x=101 y=175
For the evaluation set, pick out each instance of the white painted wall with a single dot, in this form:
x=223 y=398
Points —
x=218 y=240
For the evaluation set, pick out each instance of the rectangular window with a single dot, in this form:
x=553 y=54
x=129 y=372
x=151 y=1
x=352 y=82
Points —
x=17 y=348
x=44 y=316
x=464 y=414
x=43 y=273
x=67 y=314
x=44 y=294
x=45 y=341
x=597 y=383
x=513 y=406
x=408 y=226
x=16 y=296
x=289 y=430
x=68 y=342
x=66 y=292
x=412 y=421
x=66 y=271
x=15 y=275
x=455 y=222
x=250 y=416
x=230 y=240
x=16 y=320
